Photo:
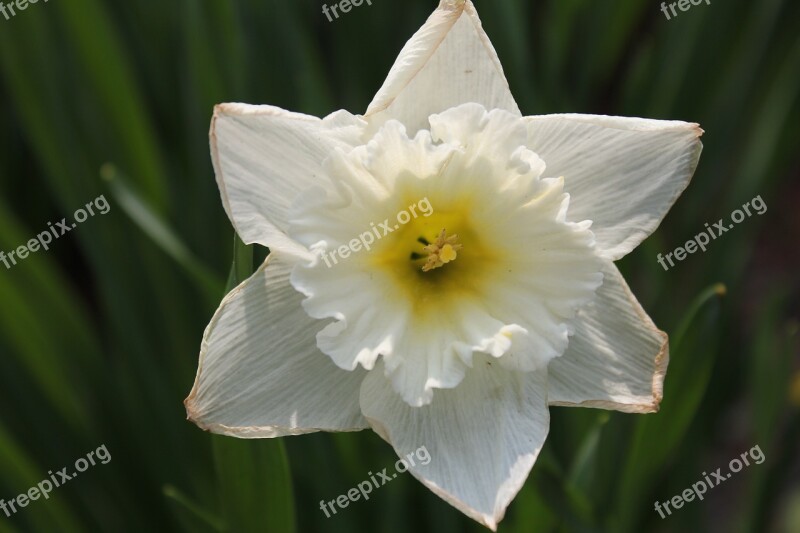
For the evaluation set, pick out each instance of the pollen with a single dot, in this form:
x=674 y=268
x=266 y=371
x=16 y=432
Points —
x=442 y=251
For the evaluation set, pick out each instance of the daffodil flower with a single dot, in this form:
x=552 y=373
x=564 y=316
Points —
x=457 y=330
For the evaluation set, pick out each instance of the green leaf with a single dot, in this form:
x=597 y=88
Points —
x=585 y=461
x=572 y=508
x=254 y=484
x=49 y=331
x=20 y=473
x=110 y=79
x=193 y=517
x=155 y=228
x=242 y=266
x=770 y=378
x=657 y=435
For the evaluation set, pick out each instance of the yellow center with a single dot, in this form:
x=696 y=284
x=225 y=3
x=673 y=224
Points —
x=437 y=259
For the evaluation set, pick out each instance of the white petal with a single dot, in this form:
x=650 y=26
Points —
x=617 y=358
x=448 y=62
x=264 y=157
x=483 y=437
x=622 y=173
x=261 y=374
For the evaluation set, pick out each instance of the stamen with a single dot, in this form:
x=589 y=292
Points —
x=443 y=250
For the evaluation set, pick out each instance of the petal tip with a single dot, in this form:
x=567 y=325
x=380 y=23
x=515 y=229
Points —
x=454 y=4
x=661 y=362
x=192 y=414
x=218 y=110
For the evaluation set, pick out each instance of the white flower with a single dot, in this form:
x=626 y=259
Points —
x=519 y=307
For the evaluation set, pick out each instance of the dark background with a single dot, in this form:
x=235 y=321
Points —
x=99 y=336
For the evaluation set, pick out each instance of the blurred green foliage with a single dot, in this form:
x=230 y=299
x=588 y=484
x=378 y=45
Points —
x=99 y=337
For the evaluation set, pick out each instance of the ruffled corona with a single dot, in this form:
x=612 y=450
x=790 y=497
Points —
x=495 y=267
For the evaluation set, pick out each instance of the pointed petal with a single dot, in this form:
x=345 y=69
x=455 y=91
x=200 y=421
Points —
x=617 y=358
x=622 y=173
x=448 y=62
x=482 y=437
x=264 y=157
x=261 y=374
